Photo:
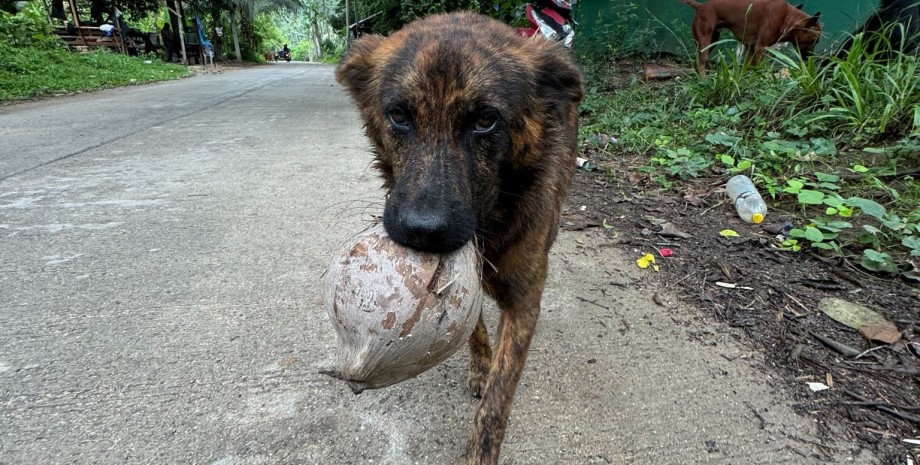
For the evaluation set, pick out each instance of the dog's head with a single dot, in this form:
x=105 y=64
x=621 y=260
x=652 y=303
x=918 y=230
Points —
x=804 y=32
x=456 y=106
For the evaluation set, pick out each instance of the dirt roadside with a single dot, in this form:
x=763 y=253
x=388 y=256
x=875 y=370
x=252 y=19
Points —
x=772 y=313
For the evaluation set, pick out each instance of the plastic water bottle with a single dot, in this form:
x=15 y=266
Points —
x=748 y=202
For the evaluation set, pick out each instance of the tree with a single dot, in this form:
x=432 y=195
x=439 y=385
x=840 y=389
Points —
x=396 y=13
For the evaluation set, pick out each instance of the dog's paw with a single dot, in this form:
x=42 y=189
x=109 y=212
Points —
x=479 y=374
x=469 y=459
x=476 y=383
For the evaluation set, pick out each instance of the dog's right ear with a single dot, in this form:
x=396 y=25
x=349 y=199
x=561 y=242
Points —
x=356 y=70
x=558 y=78
x=800 y=6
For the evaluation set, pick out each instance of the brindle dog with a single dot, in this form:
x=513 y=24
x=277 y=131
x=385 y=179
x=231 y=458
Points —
x=474 y=131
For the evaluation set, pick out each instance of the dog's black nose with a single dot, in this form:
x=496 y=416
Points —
x=437 y=230
x=426 y=230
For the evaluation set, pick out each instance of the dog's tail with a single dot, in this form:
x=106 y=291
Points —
x=692 y=3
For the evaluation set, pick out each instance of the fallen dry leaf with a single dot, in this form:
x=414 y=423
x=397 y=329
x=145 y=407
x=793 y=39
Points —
x=883 y=331
x=693 y=199
x=636 y=178
x=668 y=229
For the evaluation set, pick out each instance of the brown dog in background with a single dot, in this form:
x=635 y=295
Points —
x=757 y=24
x=475 y=133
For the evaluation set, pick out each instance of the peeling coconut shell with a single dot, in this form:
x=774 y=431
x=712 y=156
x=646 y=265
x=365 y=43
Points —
x=398 y=311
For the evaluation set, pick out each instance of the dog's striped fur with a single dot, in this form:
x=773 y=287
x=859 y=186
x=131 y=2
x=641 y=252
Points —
x=474 y=129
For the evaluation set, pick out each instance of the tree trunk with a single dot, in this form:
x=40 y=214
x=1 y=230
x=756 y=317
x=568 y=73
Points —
x=217 y=40
x=173 y=16
x=236 y=39
x=317 y=44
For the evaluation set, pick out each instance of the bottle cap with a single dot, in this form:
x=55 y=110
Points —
x=757 y=218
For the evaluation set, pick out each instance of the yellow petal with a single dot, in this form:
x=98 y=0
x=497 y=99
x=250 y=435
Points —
x=645 y=260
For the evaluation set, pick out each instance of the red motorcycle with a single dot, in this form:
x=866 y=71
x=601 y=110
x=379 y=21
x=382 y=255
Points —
x=552 y=19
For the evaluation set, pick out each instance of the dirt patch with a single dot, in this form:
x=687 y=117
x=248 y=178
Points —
x=773 y=295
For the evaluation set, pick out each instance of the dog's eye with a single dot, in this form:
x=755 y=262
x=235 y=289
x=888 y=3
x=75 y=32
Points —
x=486 y=122
x=398 y=117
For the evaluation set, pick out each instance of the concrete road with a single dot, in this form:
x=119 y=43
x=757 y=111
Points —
x=160 y=257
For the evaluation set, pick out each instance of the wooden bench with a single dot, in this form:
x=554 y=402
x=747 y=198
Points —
x=88 y=37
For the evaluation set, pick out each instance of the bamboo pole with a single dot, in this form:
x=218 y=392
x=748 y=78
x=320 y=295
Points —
x=181 y=32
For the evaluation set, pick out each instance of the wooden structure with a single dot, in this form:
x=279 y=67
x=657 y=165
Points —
x=78 y=35
x=89 y=37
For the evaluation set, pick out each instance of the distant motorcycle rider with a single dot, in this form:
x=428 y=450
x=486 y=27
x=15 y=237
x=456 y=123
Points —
x=285 y=53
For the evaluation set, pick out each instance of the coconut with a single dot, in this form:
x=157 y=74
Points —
x=397 y=311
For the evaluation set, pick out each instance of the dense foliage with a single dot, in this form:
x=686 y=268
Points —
x=396 y=13
x=33 y=62
x=833 y=141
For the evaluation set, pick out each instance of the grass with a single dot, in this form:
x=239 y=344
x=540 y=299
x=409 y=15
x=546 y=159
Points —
x=27 y=72
x=834 y=141
x=34 y=63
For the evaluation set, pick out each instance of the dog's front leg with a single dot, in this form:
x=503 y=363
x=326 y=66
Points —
x=520 y=306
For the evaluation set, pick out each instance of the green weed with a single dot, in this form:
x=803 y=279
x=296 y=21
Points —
x=836 y=140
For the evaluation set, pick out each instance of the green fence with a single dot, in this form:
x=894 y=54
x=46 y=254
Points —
x=664 y=25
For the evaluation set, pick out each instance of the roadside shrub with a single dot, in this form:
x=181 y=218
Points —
x=832 y=140
x=28 y=27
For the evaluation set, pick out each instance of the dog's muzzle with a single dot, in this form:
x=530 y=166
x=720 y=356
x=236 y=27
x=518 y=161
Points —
x=428 y=224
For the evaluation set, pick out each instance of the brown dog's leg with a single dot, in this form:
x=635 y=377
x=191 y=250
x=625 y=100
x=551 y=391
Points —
x=480 y=358
x=756 y=54
x=519 y=300
x=705 y=34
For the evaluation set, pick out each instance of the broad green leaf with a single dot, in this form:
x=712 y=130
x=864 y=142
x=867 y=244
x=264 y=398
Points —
x=810 y=197
x=871 y=229
x=859 y=169
x=893 y=223
x=824 y=177
x=783 y=146
x=744 y=165
x=794 y=186
x=728 y=233
x=813 y=234
x=823 y=146
x=721 y=138
x=833 y=201
x=869 y=207
x=836 y=225
x=912 y=243
x=830 y=211
x=878 y=261
x=727 y=160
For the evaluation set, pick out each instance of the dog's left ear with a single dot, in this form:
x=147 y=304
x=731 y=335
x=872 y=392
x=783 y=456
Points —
x=355 y=72
x=800 y=6
x=558 y=79
x=813 y=20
